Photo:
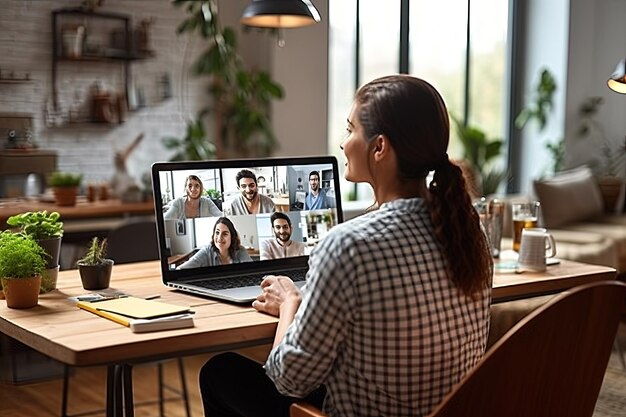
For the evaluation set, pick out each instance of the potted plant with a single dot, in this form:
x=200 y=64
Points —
x=22 y=261
x=47 y=230
x=94 y=268
x=65 y=187
x=241 y=97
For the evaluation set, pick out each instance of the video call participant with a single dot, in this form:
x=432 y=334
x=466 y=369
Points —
x=396 y=306
x=316 y=198
x=193 y=203
x=225 y=248
x=282 y=246
x=250 y=201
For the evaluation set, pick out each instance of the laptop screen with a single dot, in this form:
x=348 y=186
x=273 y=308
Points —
x=225 y=217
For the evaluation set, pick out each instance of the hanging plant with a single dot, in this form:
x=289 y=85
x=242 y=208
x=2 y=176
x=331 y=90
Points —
x=241 y=97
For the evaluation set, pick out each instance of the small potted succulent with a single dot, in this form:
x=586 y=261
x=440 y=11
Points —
x=94 y=268
x=65 y=187
x=22 y=262
x=47 y=230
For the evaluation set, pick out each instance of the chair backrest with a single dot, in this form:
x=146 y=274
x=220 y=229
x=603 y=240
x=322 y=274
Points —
x=134 y=241
x=551 y=363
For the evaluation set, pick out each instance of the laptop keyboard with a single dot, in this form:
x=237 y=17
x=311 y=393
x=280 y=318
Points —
x=244 y=281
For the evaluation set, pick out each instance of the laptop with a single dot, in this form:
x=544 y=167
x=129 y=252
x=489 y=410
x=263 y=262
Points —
x=190 y=256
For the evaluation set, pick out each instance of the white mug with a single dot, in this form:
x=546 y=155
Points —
x=536 y=245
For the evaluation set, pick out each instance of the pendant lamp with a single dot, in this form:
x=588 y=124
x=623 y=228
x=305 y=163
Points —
x=280 y=14
x=617 y=80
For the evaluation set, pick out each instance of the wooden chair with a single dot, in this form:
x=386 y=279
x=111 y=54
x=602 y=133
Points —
x=551 y=363
x=136 y=241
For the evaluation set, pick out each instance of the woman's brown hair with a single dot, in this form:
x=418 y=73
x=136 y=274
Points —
x=413 y=116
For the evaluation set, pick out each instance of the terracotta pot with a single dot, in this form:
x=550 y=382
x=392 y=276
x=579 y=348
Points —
x=21 y=292
x=96 y=277
x=65 y=196
x=49 y=280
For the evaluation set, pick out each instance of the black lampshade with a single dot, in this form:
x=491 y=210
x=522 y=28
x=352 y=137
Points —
x=617 y=80
x=280 y=14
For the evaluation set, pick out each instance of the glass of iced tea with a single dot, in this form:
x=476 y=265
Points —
x=525 y=215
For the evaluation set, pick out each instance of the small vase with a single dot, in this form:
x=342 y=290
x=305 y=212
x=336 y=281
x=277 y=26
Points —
x=49 y=279
x=21 y=292
x=95 y=277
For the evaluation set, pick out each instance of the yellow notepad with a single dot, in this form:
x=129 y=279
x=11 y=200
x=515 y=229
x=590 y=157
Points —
x=121 y=310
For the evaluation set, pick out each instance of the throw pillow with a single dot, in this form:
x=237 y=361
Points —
x=568 y=197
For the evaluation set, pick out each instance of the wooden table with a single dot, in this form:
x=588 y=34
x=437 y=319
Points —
x=81 y=211
x=75 y=337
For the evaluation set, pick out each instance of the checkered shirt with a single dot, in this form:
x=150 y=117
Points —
x=380 y=323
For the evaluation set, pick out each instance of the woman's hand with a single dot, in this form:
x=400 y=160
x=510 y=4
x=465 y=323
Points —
x=279 y=294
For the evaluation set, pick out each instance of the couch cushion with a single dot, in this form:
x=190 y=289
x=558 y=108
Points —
x=568 y=197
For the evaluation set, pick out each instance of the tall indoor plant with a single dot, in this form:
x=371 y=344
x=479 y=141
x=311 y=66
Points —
x=47 y=230
x=241 y=97
x=21 y=264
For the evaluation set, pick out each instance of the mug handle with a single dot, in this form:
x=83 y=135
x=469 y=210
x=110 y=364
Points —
x=550 y=246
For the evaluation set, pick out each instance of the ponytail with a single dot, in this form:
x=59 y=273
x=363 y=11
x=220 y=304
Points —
x=457 y=227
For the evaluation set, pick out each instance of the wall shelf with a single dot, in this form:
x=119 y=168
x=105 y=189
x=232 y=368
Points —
x=122 y=51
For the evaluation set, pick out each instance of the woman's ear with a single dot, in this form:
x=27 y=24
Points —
x=381 y=147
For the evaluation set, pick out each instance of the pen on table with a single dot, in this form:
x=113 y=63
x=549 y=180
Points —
x=152 y=297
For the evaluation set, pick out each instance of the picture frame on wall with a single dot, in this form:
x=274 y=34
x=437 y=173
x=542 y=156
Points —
x=180 y=228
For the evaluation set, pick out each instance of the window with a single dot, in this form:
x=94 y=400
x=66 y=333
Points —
x=437 y=50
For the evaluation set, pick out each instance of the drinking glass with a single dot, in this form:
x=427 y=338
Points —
x=525 y=215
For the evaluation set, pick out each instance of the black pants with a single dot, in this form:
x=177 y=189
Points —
x=233 y=385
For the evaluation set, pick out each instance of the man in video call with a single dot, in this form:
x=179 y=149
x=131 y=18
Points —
x=250 y=201
x=316 y=197
x=282 y=246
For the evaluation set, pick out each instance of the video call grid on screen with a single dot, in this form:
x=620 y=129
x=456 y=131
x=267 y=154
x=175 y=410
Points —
x=286 y=185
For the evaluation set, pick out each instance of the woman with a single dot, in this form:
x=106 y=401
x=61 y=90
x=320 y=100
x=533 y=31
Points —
x=396 y=306
x=225 y=248
x=193 y=203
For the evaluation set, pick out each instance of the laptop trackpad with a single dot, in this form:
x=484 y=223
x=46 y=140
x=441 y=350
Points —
x=244 y=294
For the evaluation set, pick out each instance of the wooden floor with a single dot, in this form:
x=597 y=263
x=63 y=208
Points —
x=87 y=391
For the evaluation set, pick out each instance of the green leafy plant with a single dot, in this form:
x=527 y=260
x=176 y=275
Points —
x=213 y=193
x=64 y=179
x=612 y=162
x=39 y=225
x=193 y=146
x=481 y=152
x=96 y=252
x=241 y=97
x=539 y=111
x=20 y=256
x=541 y=104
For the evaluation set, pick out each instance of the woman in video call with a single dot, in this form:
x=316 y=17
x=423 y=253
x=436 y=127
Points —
x=193 y=203
x=225 y=248
x=396 y=306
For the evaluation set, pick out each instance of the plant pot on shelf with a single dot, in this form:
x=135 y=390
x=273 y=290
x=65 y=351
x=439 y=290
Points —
x=21 y=292
x=65 y=196
x=611 y=189
x=95 y=277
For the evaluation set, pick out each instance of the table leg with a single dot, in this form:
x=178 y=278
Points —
x=127 y=386
x=110 y=391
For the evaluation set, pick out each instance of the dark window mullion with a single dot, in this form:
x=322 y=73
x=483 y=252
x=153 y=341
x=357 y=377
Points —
x=466 y=98
x=404 y=37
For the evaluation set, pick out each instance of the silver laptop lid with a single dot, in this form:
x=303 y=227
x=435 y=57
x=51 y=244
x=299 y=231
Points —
x=283 y=185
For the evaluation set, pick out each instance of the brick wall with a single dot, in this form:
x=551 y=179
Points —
x=26 y=47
